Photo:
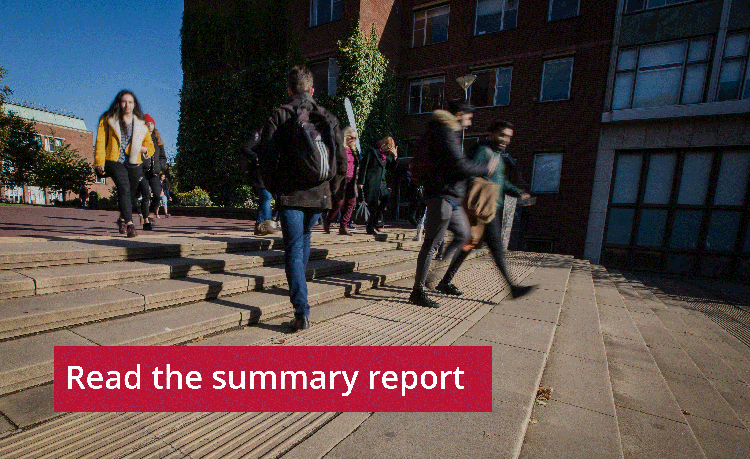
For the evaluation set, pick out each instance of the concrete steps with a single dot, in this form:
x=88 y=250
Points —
x=345 y=320
x=707 y=391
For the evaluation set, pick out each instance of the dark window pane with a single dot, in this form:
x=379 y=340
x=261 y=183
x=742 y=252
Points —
x=651 y=232
x=627 y=177
x=730 y=188
x=686 y=229
x=439 y=32
x=680 y=263
x=415 y=96
x=509 y=19
x=489 y=16
x=694 y=84
x=634 y=5
x=659 y=179
x=620 y=226
x=747 y=240
x=483 y=90
x=432 y=96
x=556 y=80
x=623 y=90
x=562 y=9
x=320 y=77
x=336 y=15
x=729 y=80
x=502 y=88
x=722 y=230
x=694 y=182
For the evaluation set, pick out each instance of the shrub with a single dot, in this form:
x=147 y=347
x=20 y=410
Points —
x=245 y=198
x=195 y=198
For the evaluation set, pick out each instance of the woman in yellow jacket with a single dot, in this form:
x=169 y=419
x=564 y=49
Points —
x=122 y=141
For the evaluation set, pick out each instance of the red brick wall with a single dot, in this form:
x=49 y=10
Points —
x=571 y=126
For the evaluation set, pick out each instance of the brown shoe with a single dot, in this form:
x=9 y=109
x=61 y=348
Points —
x=122 y=227
x=345 y=232
x=326 y=226
x=265 y=228
x=131 y=230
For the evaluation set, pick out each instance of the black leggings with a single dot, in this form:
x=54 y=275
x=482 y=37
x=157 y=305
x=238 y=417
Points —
x=126 y=178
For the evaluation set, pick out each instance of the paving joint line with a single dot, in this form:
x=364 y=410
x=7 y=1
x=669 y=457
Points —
x=583 y=408
x=685 y=423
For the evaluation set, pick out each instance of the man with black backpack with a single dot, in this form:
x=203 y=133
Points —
x=303 y=162
x=441 y=166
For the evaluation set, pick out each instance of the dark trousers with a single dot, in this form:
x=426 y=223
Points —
x=376 y=210
x=442 y=215
x=346 y=204
x=493 y=236
x=155 y=184
x=296 y=227
x=126 y=178
x=144 y=191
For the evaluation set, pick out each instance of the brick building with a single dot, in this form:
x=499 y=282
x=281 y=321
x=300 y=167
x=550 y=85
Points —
x=671 y=185
x=55 y=129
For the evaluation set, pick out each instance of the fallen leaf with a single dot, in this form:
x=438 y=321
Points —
x=533 y=421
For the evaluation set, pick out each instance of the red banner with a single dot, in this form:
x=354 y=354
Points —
x=283 y=378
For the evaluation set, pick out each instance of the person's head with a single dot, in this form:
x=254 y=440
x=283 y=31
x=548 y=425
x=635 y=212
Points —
x=149 y=122
x=300 y=80
x=501 y=132
x=125 y=103
x=386 y=145
x=350 y=137
x=462 y=110
x=162 y=176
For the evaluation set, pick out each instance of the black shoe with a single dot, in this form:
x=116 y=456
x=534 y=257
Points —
x=448 y=289
x=439 y=256
x=517 y=291
x=371 y=231
x=148 y=226
x=420 y=298
x=299 y=322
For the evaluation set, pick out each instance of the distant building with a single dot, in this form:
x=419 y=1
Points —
x=54 y=129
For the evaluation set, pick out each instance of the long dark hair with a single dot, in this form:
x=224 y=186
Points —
x=116 y=109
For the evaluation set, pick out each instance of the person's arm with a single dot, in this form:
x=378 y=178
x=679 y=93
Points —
x=101 y=144
x=341 y=159
x=148 y=144
x=363 y=165
x=456 y=160
x=270 y=145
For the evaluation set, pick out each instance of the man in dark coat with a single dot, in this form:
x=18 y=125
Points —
x=300 y=207
x=444 y=190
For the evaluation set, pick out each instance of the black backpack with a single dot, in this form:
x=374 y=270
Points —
x=311 y=151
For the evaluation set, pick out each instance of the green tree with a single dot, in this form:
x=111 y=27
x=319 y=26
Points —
x=62 y=170
x=20 y=150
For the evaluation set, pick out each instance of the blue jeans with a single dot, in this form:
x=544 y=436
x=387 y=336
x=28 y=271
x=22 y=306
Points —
x=296 y=226
x=264 y=205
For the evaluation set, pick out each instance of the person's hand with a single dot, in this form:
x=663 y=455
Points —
x=100 y=170
x=394 y=151
x=144 y=150
x=492 y=164
x=525 y=196
x=360 y=186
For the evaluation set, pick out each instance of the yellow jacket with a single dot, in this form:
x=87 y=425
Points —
x=108 y=141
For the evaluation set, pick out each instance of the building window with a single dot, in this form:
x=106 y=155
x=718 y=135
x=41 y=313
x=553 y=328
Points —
x=102 y=180
x=556 y=77
x=51 y=143
x=734 y=80
x=430 y=26
x=663 y=74
x=495 y=15
x=426 y=95
x=640 y=5
x=325 y=77
x=491 y=88
x=546 y=175
x=563 y=9
x=324 y=11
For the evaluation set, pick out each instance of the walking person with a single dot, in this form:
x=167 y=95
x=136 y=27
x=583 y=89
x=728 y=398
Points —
x=346 y=198
x=445 y=188
x=164 y=196
x=150 y=188
x=376 y=163
x=498 y=140
x=264 y=223
x=122 y=141
x=83 y=193
x=303 y=174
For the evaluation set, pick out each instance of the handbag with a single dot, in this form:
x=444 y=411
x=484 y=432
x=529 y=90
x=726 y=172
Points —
x=361 y=214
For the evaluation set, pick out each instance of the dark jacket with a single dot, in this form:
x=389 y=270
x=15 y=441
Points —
x=481 y=153
x=274 y=151
x=373 y=175
x=451 y=167
x=157 y=163
x=249 y=159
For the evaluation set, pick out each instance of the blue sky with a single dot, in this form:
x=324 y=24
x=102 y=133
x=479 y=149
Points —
x=75 y=55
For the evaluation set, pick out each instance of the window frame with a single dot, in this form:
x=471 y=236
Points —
x=549 y=12
x=570 y=78
x=663 y=252
x=421 y=83
x=494 y=95
x=502 y=17
x=424 y=36
x=684 y=66
x=646 y=8
x=746 y=68
x=532 y=189
x=311 y=25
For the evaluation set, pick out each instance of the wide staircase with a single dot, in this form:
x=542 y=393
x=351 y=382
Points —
x=590 y=364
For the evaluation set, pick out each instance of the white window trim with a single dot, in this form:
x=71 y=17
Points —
x=424 y=33
x=570 y=78
x=533 y=174
x=312 y=12
x=549 y=12
x=421 y=84
x=502 y=18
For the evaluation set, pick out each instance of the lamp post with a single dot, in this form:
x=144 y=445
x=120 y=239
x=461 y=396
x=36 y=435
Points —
x=465 y=82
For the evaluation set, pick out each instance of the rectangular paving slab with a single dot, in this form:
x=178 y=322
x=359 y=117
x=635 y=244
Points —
x=30 y=406
x=22 y=316
x=170 y=292
x=29 y=361
x=14 y=285
x=34 y=254
x=67 y=278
